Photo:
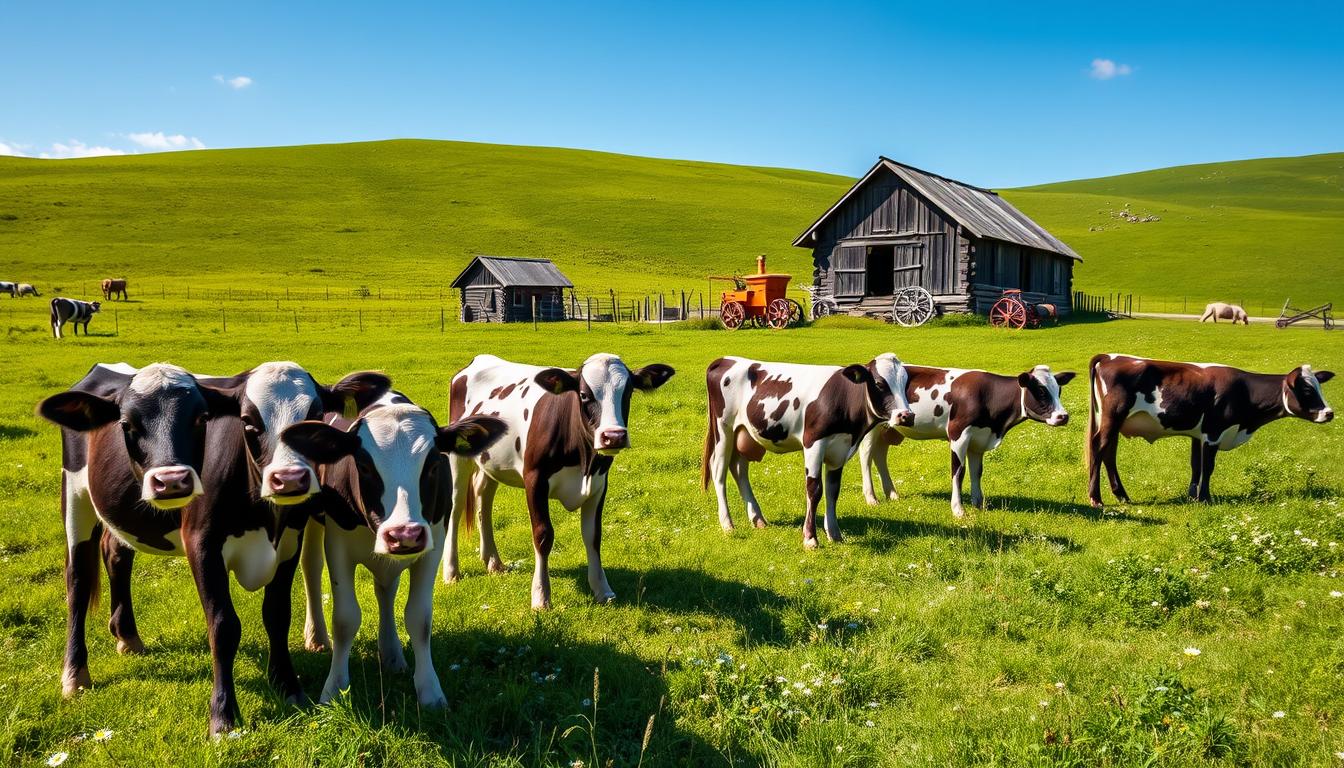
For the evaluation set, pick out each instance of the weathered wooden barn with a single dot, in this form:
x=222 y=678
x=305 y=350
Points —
x=498 y=289
x=900 y=226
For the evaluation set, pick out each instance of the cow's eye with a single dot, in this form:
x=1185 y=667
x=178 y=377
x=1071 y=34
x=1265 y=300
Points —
x=584 y=397
x=130 y=430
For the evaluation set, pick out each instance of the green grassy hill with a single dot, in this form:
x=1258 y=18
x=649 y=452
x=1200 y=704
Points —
x=410 y=213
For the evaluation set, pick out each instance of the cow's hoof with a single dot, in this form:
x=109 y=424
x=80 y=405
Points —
x=434 y=701
x=605 y=598
x=1095 y=503
x=810 y=543
x=892 y=495
x=541 y=602
x=317 y=644
x=836 y=539
x=495 y=565
x=451 y=577
x=759 y=522
x=75 y=680
x=872 y=500
x=299 y=700
x=395 y=663
x=978 y=503
x=130 y=645
x=958 y=513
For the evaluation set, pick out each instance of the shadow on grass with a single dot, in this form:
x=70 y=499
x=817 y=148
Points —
x=881 y=534
x=1027 y=504
x=14 y=432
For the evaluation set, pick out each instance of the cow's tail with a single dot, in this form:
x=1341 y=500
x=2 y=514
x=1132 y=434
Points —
x=1093 y=410
x=469 y=505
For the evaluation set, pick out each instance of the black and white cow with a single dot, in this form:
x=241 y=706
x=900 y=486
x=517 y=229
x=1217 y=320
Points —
x=221 y=490
x=822 y=410
x=1217 y=407
x=567 y=427
x=386 y=499
x=8 y=287
x=971 y=410
x=26 y=289
x=65 y=310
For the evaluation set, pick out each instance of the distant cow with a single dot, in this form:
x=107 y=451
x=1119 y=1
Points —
x=822 y=410
x=8 y=287
x=386 y=499
x=114 y=286
x=973 y=411
x=26 y=289
x=566 y=427
x=74 y=311
x=1218 y=407
x=1219 y=311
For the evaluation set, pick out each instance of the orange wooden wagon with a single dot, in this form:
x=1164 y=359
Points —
x=758 y=300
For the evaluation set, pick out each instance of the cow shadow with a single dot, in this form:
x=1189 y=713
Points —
x=1029 y=504
x=15 y=432
x=883 y=534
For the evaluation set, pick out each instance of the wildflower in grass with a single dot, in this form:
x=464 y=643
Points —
x=1279 y=715
x=1202 y=604
x=1192 y=651
x=454 y=667
x=586 y=703
x=485 y=607
x=57 y=759
x=1059 y=685
x=103 y=734
x=1340 y=755
x=575 y=764
x=951 y=588
x=235 y=734
x=1044 y=704
x=1336 y=593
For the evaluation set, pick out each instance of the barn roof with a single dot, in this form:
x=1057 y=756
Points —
x=515 y=271
x=980 y=211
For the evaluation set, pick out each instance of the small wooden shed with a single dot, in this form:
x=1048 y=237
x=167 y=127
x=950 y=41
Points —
x=499 y=289
x=900 y=226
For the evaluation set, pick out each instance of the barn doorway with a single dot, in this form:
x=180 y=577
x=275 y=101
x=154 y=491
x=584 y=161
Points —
x=881 y=262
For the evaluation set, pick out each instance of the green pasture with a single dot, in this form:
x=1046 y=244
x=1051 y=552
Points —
x=1039 y=632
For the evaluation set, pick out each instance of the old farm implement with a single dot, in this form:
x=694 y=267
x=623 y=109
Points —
x=1012 y=311
x=1290 y=315
x=758 y=300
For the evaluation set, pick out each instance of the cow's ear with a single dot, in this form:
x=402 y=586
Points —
x=354 y=393
x=79 y=411
x=470 y=435
x=651 y=376
x=857 y=373
x=557 y=381
x=320 y=442
x=221 y=402
x=1024 y=379
x=1064 y=377
x=1324 y=376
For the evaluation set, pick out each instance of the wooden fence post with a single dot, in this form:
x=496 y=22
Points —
x=534 y=312
x=440 y=319
x=361 y=319
x=116 y=323
x=224 y=319
x=296 y=321
x=590 y=313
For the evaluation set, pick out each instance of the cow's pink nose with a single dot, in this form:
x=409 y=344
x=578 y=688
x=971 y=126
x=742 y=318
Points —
x=405 y=539
x=1059 y=419
x=905 y=417
x=171 y=483
x=613 y=438
x=289 y=481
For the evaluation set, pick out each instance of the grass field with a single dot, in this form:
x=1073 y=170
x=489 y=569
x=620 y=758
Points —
x=404 y=214
x=1040 y=633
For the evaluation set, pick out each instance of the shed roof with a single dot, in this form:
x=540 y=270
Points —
x=980 y=211
x=515 y=271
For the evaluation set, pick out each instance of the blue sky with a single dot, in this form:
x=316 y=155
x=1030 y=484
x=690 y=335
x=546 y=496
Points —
x=999 y=94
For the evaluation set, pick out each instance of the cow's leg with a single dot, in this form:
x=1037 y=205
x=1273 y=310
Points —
x=741 y=469
x=537 y=489
x=1206 y=471
x=276 y=615
x=485 y=488
x=1109 y=448
x=960 y=448
x=385 y=584
x=82 y=535
x=1105 y=440
x=591 y=523
x=119 y=561
x=976 y=460
x=873 y=455
x=345 y=617
x=814 y=460
x=223 y=628
x=1196 y=466
x=463 y=470
x=315 y=637
x=419 y=616
x=720 y=459
x=831 y=522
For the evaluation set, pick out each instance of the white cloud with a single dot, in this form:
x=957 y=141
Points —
x=11 y=150
x=157 y=140
x=1105 y=69
x=237 y=83
x=77 y=148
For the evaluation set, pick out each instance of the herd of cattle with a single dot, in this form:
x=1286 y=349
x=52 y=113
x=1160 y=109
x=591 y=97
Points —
x=260 y=473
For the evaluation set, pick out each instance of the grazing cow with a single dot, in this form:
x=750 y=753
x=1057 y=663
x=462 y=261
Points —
x=65 y=310
x=822 y=410
x=8 y=287
x=567 y=426
x=971 y=410
x=386 y=497
x=1219 y=311
x=26 y=289
x=224 y=493
x=113 y=287
x=1218 y=407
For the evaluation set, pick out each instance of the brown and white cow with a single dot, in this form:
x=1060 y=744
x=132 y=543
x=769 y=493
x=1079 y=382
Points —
x=1219 y=311
x=26 y=289
x=385 y=502
x=114 y=287
x=170 y=464
x=1217 y=407
x=973 y=411
x=822 y=410
x=567 y=427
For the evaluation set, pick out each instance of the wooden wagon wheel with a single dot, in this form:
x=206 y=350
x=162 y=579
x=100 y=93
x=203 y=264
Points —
x=795 y=313
x=731 y=314
x=912 y=306
x=778 y=314
x=1008 y=312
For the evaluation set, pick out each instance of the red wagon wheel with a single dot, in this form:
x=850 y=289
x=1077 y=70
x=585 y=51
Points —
x=1008 y=313
x=731 y=314
x=779 y=314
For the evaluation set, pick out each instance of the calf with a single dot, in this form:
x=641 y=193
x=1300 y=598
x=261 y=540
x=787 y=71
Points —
x=8 y=287
x=113 y=287
x=1218 y=407
x=822 y=410
x=26 y=289
x=1219 y=311
x=568 y=426
x=971 y=410
x=72 y=311
x=248 y=519
x=386 y=497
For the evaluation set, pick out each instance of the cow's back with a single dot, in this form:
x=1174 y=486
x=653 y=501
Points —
x=492 y=386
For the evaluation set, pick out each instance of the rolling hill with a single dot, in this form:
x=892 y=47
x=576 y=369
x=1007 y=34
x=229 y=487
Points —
x=410 y=214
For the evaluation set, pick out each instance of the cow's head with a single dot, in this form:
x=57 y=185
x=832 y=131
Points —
x=391 y=461
x=274 y=396
x=604 y=385
x=1040 y=395
x=161 y=414
x=1302 y=396
x=886 y=380
x=94 y=306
